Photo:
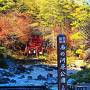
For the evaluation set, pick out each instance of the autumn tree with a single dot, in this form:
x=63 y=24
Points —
x=15 y=29
x=59 y=16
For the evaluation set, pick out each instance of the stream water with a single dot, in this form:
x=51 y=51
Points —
x=28 y=74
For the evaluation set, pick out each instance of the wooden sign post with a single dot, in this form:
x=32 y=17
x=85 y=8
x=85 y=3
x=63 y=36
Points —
x=62 y=67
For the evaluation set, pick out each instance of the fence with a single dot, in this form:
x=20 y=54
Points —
x=72 y=87
x=81 y=88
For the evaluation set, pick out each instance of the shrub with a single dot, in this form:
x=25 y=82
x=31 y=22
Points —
x=82 y=76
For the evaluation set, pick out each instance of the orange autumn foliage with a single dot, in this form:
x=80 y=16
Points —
x=17 y=24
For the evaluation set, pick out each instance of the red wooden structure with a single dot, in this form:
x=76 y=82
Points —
x=35 y=45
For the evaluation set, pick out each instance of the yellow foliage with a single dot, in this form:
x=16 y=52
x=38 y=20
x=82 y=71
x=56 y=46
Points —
x=34 y=24
x=80 y=63
x=77 y=36
x=79 y=51
x=52 y=57
x=82 y=55
x=82 y=46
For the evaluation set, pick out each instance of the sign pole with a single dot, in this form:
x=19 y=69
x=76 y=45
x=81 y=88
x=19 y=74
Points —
x=62 y=66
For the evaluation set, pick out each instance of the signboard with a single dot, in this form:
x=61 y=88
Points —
x=62 y=67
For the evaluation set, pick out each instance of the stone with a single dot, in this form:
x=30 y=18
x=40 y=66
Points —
x=29 y=77
x=49 y=75
x=40 y=77
x=21 y=68
x=21 y=77
x=71 y=81
x=30 y=69
x=17 y=72
x=5 y=73
x=13 y=81
x=83 y=67
x=48 y=69
x=4 y=80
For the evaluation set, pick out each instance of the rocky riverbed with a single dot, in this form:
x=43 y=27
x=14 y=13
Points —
x=30 y=75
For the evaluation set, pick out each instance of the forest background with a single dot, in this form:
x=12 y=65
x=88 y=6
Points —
x=19 y=18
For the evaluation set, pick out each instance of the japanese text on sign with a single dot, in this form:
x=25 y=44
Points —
x=62 y=69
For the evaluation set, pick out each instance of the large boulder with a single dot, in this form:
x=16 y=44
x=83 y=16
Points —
x=71 y=81
x=4 y=80
x=21 y=68
x=40 y=77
